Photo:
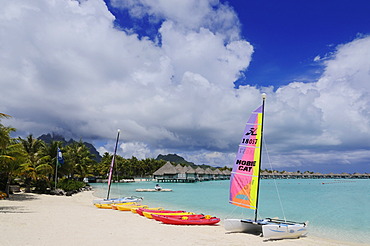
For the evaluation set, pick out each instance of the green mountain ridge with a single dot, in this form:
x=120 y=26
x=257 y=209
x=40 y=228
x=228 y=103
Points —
x=48 y=138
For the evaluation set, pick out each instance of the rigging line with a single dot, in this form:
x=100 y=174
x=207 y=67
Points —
x=276 y=187
x=236 y=212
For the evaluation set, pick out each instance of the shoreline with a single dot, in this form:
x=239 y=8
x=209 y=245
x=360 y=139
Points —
x=34 y=219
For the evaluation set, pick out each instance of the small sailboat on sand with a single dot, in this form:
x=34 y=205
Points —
x=98 y=202
x=244 y=185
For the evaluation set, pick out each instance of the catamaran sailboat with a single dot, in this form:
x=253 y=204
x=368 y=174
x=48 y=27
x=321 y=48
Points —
x=115 y=200
x=244 y=185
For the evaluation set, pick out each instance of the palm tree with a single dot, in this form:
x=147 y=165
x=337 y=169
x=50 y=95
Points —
x=11 y=158
x=102 y=168
x=30 y=168
x=7 y=158
x=149 y=165
x=5 y=132
x=79 y=159
x=48 y=159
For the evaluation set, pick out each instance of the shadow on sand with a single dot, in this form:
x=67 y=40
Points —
x=13 y=210
x=20 y=197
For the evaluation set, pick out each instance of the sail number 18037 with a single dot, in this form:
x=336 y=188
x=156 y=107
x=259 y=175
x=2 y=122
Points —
x=249 y=141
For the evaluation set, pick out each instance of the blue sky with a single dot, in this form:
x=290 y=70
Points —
x=183 y=76
x=286 y=35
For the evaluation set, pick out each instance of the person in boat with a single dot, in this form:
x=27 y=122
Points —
x=157 y=187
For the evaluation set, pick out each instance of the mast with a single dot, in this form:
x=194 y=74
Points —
x=259 y=169
x=112 y=164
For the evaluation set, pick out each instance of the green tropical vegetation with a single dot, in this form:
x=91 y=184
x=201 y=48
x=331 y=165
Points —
x=32 y=162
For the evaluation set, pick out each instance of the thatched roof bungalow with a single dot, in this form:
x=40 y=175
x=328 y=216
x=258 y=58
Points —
x=166 y=171
x=178 y=173
x=208 y=174
x=226 y=174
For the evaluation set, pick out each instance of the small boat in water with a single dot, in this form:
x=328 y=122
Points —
x=153 y=190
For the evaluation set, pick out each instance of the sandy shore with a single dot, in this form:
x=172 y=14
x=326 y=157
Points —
x=31 y=219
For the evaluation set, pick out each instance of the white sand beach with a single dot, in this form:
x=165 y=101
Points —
x=32 y=219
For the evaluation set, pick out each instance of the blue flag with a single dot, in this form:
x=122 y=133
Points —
x=60 y=157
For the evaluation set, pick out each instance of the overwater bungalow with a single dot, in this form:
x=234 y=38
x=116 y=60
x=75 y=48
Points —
x=209 y=175
x=218 y=174
x=190 y=173
x=226 y=174
x=200 y=173
x=187 y=174
x=166 y=173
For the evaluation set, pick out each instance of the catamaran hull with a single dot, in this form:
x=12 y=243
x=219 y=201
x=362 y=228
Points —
x=239 y=225
x=118 y=200
x=282 y=231
x=271 y=229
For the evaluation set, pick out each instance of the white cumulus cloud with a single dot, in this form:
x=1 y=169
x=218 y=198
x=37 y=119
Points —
x=65 y=68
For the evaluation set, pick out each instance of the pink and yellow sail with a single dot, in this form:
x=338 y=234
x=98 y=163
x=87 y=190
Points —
x=245 y=173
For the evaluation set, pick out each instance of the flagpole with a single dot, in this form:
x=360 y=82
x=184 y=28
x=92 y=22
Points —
x=112 y=164
x=56 y=170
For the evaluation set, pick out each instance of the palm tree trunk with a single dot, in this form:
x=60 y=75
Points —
x=28 y=185
x=7 y=185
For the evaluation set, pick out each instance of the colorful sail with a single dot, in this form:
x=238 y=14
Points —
x=244 y=176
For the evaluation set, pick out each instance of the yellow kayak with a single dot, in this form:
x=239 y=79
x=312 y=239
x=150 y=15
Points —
x=134 y=210
x=109 y=205
x=114 y=205
x=129 y=207
x=149 y=214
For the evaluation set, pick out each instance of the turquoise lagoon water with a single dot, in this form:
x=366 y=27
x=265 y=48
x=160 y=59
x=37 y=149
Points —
x=335 y=209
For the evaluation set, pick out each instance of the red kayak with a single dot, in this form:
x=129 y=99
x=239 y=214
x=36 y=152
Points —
x=141 y=210
x=186 y=220
x=159 y=217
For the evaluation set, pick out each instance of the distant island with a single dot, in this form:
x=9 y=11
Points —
x=176 y=159
x=265 y=174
